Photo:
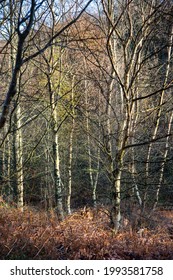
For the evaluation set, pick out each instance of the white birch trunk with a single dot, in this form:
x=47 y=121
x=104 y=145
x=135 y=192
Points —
x=69 y=189
x=56 y=157
x=19 y=157
x=57 y=178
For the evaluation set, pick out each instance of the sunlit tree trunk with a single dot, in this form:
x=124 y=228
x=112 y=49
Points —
x=135 y=186
x=115 y=170
x=56 y=156
x=48 y=188
x=19 y=176
x=57 y=178
x=69 y=187
x=53 y=59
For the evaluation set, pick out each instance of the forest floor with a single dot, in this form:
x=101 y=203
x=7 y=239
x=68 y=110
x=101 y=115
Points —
x=82 y=235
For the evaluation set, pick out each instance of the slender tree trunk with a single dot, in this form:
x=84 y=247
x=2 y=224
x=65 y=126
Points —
x=93 y=172
x=70 y=168
x=55 y=60
x=56 y=157
x=69 y=189
x=95 y=181
x=19 y=177
x=116 y=202
x=57 y=178
x=136 y=189
x=117 y=175
x=6 y=166
x=55 y=147
x=49 y=196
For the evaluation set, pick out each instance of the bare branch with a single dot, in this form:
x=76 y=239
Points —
x=50 y=42
x=19 y=61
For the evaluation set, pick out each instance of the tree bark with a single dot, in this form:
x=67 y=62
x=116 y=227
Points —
x=19 y=176
x=69 y=188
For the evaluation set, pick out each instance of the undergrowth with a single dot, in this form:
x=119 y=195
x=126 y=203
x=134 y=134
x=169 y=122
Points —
x=39 y=235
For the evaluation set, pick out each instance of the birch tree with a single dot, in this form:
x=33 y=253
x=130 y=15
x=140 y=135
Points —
x=54 y=91
x=129 y=40
x=69 y=186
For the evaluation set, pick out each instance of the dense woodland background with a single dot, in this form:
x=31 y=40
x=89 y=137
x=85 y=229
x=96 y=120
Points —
x=86 y=123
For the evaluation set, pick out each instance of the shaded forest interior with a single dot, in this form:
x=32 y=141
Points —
x=86 y=120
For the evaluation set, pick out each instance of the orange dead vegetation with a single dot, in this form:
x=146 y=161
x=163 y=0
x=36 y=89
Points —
x=82 y=235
